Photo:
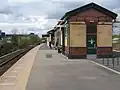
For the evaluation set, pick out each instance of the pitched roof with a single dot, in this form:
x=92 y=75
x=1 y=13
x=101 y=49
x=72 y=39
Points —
x=45 y=35
x=51 y=31
x=88 y=6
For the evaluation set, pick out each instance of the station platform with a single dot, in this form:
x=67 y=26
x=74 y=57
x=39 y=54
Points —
x=44 y=69
x=17 y=76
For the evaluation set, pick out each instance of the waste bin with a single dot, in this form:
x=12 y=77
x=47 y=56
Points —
x=59 y=49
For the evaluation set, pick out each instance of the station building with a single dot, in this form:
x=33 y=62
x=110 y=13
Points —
x=86 y=30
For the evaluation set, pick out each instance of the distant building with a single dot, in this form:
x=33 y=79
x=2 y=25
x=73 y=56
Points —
x=116 y=40
x=31 y=34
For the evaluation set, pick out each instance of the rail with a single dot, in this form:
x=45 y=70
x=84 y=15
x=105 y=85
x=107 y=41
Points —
x=8 y=57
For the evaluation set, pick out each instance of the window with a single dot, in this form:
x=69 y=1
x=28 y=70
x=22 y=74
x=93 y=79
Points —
x=91 y=28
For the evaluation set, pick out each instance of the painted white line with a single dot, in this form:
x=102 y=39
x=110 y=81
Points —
x=106 y=67
x=6 y=80
x=20 y=65
x=17 y=68
x=2 y=84
x=14 y=71
x=10 y=76
x=69 y=60
x=88 y=78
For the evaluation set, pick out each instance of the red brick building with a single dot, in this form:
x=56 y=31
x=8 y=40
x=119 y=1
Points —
x=87 y=30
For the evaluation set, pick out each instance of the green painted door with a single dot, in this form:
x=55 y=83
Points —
x=91 y=44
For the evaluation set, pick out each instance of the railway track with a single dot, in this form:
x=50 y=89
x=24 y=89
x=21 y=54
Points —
x=10 y=59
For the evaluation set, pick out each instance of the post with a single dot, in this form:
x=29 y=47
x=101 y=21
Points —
x=107 y=61
x=103 y=61
x=117 y=60
x=113 y=62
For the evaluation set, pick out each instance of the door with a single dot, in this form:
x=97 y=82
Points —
x=91 y=44
x=91 y=38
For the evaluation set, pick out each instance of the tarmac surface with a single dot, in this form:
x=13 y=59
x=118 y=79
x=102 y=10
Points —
x=53 y=71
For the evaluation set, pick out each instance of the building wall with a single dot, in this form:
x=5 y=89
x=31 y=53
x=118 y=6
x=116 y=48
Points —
x=66 y=32
x=77 y=44
x=104 y=35
x=66 y=42
x=57 y=36
x=61 y=37
x=48 y=39
x=77 y=39
x=90 y=15
x=104 y=39
x=77 y=34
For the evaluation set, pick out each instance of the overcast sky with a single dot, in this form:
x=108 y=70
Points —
x=41 y=15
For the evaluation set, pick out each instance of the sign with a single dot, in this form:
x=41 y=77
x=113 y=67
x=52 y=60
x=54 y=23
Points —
x=91 y=41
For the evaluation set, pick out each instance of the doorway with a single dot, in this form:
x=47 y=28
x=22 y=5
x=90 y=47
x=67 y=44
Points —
x=91 y=38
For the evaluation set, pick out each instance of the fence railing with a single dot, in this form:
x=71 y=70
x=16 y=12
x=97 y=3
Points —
x=116 y=46
x=110 y=59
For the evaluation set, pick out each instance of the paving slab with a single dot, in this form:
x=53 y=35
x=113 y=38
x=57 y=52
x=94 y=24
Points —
x=53 y=71
x=16 y=77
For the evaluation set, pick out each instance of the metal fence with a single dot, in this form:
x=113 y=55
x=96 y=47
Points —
x=111 y=60
x=116 y=46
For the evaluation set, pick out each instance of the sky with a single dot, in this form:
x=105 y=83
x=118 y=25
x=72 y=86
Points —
x=39 y=16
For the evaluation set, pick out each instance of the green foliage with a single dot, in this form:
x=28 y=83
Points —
x=6 y=48
x=34 y=39
x=24 y=42
x=116 y=36
x=28 y=40
x=18 y=42
x=14 y=40
x=43 y=40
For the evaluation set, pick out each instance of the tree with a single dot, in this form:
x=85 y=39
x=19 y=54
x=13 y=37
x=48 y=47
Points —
x=116 y=36
x=34 y=39
x=14 y=31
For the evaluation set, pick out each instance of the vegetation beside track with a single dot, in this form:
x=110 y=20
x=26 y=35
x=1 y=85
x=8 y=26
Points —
x=16 y=42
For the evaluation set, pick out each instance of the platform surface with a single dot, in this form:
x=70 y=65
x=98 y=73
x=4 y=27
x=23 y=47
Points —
x=17 y=76
x=44 y=69
x=53 y=71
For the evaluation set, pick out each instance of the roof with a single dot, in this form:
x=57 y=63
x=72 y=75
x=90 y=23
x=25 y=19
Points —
x=45 y=35
x=88 y=6
x=116 y=39
x=51 y=31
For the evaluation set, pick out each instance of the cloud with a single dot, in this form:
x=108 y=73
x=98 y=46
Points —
x=55 y=9
x=42 y=14
x=6 y=11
